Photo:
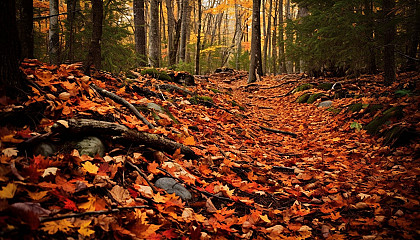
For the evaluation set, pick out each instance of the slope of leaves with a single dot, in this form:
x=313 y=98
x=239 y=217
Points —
x=331 y=181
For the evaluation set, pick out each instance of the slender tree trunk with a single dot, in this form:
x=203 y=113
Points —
x=371 y=60
x=172 y=48
x=25 y=27
x=184 y=30
x=9 y=48
x=154 y=39
x=197 y=55
x=53 y=36
x=238 y=35
x=255 y=66
x=302 y=12
x=140 y=31
x=274 y=40
x=415 y=39
x=282 y=57
x=267 y=37
x=289 y=40
x=71 y=20
x=389 y=36
x=94 y=55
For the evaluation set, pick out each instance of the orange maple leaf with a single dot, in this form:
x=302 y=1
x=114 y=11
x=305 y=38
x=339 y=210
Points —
x=152 y=167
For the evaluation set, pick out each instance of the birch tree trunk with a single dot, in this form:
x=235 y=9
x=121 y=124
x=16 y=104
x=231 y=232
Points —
x=255 y=66
x=154 y=38
x=140 y=31
x=53 y=37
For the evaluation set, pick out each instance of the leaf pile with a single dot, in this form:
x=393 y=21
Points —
x=328 y=181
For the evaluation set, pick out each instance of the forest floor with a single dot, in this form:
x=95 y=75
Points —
x=258 y=164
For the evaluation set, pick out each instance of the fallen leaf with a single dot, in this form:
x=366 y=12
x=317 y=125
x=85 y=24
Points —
x=8 y=191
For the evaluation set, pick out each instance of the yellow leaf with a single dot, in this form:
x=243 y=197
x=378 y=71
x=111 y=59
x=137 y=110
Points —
x=89 y=205
x=9 y=152
x=60 y=225
x=265 y=218
x=90 y=168
x=37 y=195
x=84 y=229
x=189 y=141
x=159 y=198
x=8 y=191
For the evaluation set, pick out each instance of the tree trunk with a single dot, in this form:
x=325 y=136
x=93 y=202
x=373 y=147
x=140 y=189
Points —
x=172 y=48
x=9 y=47
x=415 y=39
x=71 y=20
x=154 y=39
x=53 y=36
x=238 y=35
x=255 y=66
x=140 y=31
x=302 y=12
x=371 y=60
x=25 y=27
x=289 y=40
x=197 y=55
x=268 y=36
x=389 y=36
x=94 y=55
x=274 y=41
x=282 y=57
x=184 y=29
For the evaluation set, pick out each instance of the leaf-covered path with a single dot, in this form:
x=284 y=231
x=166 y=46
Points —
x=264 y=166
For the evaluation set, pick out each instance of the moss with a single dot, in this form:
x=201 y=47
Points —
x=334 y=110
x=325 y=86
x=355 y=107
x=374 y=125
x=200 y=100
x=303 y=87
x=314 y=97
x=234 y=104
x=153 y=72
x=303 y=98
x=129 y=74
x=170 y=115
x=215 y=90
x=372 y=108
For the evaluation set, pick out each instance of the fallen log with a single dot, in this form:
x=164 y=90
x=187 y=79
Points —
x=122 y=101
x=123 y=134
x=279 y=131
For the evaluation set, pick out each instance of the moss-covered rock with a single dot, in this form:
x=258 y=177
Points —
x=334 y=110
x=303 y=98
x=303 y=87
x=215 y=90
x=153 y=72
x=355 y=107
x=374 y=125
x=325 y=86
x=314 y=97
x=373 y=108
x=201 y=100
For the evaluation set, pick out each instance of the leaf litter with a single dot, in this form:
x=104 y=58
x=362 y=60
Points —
x=330 y=181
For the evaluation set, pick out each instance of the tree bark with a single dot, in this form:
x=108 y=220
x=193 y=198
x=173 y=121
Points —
x=94 y=55
x=389 y=36
x=71 y=20
x=415 y=39
x=154 y=38
x=25 y=27
x=289 y=40
x=197 y=55
x=267 y=36
x=282 y=57
x=140 y=31
x=255 y=66
x=184 y=29
x=9 y=47
x=238 y=35
x=274 y=41
x=53 y=35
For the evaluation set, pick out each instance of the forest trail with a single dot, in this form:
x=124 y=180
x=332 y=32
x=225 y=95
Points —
x=330 y=181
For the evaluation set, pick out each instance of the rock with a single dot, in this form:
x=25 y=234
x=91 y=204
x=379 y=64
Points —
x=314 y=97
x=170 y=185
x=91 y=146
x=45 y=149
x=325 y=104
x=303 y=98
x=156 y=107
